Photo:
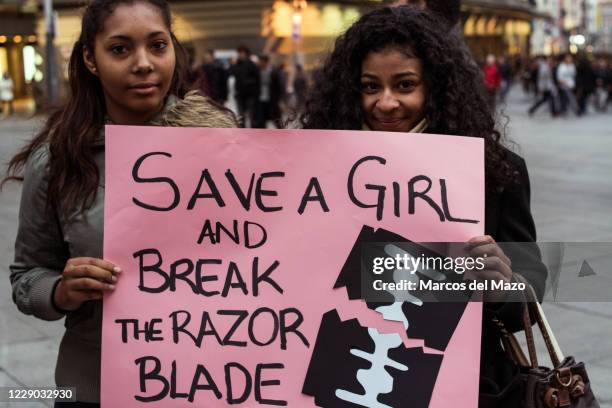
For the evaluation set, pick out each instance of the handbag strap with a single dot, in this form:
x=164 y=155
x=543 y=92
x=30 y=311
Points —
x=532 y=304
x=533 y=357
x=511 y=345
x=536 y=310
x=551 y=335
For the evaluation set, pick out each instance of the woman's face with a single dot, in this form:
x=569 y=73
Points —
x=135 y=60
x=392 y=90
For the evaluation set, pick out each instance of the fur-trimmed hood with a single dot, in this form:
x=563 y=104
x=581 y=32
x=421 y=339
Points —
x=194 y=110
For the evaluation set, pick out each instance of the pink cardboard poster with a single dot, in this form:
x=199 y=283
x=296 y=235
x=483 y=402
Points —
x=236 y=247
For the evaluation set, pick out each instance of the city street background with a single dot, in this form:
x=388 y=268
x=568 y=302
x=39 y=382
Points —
x=570 y=167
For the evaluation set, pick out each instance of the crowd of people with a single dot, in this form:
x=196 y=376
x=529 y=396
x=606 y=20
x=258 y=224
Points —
x=261 y=90
x=264 y=92
x=568 y=84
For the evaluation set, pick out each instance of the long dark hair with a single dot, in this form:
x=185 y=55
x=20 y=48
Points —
x=71 y=129
x=455 y=104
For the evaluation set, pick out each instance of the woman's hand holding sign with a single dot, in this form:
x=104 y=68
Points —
x=498 y=267
x=84 y=279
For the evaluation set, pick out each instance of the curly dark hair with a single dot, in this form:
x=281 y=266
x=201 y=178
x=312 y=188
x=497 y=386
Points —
x=456 y=102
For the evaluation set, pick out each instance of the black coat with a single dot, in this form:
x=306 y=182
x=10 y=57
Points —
x=216 y=81
x=508 y=219
x=248 y=82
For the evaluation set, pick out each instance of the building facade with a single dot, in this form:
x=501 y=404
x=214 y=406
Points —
x=308 y=27
x=499 y=27
x=305 y=28
x=19 y=44
x=572 y=26
x=602 y=28
x=297 y=30
x=547 y=30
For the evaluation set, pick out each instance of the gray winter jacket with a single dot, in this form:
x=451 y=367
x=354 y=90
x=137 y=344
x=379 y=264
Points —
x=46 y=240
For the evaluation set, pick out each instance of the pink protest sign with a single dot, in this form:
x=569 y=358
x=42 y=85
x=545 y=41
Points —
x=232 y=241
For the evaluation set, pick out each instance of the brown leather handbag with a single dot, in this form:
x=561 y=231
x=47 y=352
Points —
x=566 y=385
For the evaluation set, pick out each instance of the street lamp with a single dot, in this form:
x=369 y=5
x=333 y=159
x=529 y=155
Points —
x=577 y=39
x=298 y=7
x=296 y=32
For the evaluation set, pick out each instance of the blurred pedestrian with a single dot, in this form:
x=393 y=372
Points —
x=133 y=79
x=530 y=77
x=300 y=87
x=216 y=77
x=231 y=85
x=270 y=95
x=506 y=75
x=585 y=83
x=278 y=94
x=6 y=94
x=263 y=104
x=492 y=79
x=603 y=84
x=283 y=83
x=195 y=78
x=566 y=79
x=247 y=86
x=546 y=86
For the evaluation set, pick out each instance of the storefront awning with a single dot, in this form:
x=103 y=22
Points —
x=515 y=9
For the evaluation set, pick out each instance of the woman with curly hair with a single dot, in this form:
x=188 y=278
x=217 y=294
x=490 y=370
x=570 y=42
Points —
x=398 y=69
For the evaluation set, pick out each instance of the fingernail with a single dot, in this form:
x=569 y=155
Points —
x=111 y=287
x=114 y=278
x=117 y=269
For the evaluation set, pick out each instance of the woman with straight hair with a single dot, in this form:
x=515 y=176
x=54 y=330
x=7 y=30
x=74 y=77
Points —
x=397 y=69
x=126 y=68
